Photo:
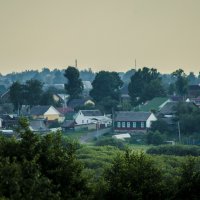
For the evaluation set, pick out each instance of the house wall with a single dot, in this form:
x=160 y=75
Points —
x=132 y=127
x=85 y=127
x=81 y=119
x=52 y=114
x=52 y=117
x=151 y=118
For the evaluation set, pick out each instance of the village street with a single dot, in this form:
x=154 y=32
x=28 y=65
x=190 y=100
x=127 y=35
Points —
x=91 y=135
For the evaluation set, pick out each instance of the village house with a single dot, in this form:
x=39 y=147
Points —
x=133 y=121
x=193 y=91
x=46 y=112
x=92 y=116
x=38 y=125
x=154 y=105
x=80 y=102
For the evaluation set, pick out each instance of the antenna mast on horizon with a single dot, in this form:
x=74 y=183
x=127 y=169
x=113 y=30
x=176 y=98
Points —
x=76 y=63
x=135 y=65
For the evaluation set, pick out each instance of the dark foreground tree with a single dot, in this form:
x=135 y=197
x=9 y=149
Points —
x=74 y=86
x=189 y=182
x=40 y=168
x=133 y=176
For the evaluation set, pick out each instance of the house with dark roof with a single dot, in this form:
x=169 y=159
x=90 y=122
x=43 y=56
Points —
x=46 y=112
x=193 y=91
x=79 y=102
x=38 y=125
x=92 y=116
x=133 y=121
x=169 y=109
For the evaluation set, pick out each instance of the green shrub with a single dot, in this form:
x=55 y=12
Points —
x=110 y=142
x=155 y=138
x=178 y=150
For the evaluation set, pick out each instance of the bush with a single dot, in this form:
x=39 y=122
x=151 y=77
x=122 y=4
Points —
x=133 y=175
x=155 y=138
x=110 y=142
x=177 y=150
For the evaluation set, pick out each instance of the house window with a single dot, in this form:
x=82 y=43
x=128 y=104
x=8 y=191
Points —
x=128 y=125
x=82 y=121
x=123 y=124
x=134 y=124
x=142 y=124
x=87 y=121
x=119 y=124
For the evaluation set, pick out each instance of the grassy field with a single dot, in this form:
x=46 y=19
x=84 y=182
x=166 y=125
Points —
x=75 y=134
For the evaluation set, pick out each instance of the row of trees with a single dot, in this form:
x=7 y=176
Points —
x=145 y=84
x=30 y=93
x=46 y=167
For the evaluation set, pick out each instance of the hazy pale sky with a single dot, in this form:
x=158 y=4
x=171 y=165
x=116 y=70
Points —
x=101 y=34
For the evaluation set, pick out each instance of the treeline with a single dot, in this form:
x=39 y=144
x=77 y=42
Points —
x=30 y=93
x=56 y=76
x=47 y=167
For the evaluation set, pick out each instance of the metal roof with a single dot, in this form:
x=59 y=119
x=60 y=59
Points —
x=132 y=116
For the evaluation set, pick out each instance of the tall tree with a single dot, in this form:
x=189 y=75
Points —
x=106 y=84
x=106 y=90
x=33 y=92
x=74 y=85
x=145 y=84
x=17 y=95
x=181 y=82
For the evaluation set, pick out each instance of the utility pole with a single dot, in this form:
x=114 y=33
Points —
x=113 y=119
x=76 y=63
x=179 y=132
x=135 y=65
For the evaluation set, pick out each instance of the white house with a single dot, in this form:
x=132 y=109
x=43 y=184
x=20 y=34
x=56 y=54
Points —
x=92 y=116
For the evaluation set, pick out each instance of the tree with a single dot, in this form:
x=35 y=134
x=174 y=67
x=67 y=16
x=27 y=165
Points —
x=74 y=86
x=38 y=167
x=181 y=82
x=160 y=125
x=47 y=99
x=133 y=176
x=106 y=89
x=189 y=182
x=188 y=116
x=33 y=92
x=17 y=95
x=192 y=79
x=145 y=84
x=155 y=138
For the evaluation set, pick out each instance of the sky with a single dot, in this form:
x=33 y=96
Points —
x=100 y=34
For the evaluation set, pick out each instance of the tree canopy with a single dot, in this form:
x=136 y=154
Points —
x=38 y=167
x=74 y=85
x=133 y=176
x=181 y=83
x=106 y=88
x=145 y=85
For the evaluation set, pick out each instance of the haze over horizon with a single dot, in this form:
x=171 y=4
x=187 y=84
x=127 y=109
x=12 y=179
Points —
x=102 y=35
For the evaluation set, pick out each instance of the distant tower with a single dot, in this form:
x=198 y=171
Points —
x=135 y=65
x=76 y=63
